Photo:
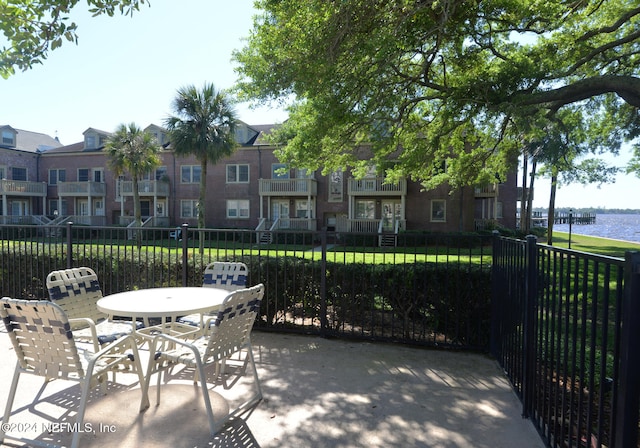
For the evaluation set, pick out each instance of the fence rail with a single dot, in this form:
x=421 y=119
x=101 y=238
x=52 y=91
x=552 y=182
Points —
x=428 y=290
x=563 y=326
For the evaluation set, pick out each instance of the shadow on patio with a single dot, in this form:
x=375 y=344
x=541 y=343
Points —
x=317 y=393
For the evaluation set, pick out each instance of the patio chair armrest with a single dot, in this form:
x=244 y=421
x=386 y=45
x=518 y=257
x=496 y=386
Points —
x=154 y=352
x=118 y=348
x=208 y=323
x=92 y=328
x=169 y=338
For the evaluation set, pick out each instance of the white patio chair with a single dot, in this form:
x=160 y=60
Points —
x=219 y=274
x=42 y=339
x=231 y=333
x=77 y=291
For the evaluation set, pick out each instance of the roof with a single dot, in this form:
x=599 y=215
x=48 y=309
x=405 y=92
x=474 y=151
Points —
x=28 y=141
x=262 y=131
x=73 y=148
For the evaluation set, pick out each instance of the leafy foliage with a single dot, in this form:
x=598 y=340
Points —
x=204 y=126
x=468 y=82
x=136 y=152
x=32 y=28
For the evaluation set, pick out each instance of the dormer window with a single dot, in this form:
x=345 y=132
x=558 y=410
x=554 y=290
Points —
x=8 y=138
x=90 y=141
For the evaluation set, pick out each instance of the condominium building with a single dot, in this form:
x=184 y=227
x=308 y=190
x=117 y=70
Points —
x=44 y=182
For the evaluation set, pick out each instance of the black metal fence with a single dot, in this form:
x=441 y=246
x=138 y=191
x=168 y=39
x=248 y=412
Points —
x=426 y=289
x=562 y=323
x=564 y=329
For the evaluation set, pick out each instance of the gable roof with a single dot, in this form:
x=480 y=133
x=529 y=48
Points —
x=262 y=131
x=35 y=142
x=72 y=148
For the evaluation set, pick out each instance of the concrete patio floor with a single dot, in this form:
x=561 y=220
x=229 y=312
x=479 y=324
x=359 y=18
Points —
x=317 y=393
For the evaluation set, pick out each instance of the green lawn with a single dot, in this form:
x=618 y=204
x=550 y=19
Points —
x=594 y=245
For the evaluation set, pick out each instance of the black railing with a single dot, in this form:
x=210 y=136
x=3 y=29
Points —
x=428 y=289
x=565 y=324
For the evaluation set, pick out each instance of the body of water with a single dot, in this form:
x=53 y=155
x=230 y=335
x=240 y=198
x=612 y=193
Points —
x=618 y=227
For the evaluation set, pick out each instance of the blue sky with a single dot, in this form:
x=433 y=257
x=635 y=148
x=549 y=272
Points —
x=127 y=69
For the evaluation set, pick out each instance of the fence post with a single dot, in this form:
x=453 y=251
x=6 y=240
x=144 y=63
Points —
x=185 y=253
x=530 y=306
x=69 y=246
x=496 y=305
x=628 y=390
x=323 y=283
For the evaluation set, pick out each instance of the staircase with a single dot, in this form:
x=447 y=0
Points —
x=388 y=240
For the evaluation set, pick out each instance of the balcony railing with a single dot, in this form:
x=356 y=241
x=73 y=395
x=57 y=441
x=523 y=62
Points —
x=488 y=191
x=376 y=186
x=81 y=189
x=295 y=224
x=145 y=188
x=22 y=188
x=357 y=225
x=288 y=187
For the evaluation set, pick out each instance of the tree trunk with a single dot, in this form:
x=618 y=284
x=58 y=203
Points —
x=552 y=206
x=524 y=225
x=202 y=201
x=530 y=194
x=137 y=213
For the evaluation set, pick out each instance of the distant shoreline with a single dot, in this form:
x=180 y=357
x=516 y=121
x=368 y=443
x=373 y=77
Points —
x=598 y=211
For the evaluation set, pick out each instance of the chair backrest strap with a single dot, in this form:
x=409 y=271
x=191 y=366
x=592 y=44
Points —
x=42 y=338
x=226 y=275
x=77 y=291
x=234 y=322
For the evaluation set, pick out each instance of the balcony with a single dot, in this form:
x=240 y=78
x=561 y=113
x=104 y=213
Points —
x=376 y=186
x=22 y=188
x=288 y=187
x=82 y=189
x=145 y=188
x=488 y=191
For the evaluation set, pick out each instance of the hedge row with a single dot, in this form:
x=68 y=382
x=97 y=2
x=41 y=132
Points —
x=419 y=302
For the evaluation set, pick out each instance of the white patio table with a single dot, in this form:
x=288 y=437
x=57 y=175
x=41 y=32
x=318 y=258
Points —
x=164 y=303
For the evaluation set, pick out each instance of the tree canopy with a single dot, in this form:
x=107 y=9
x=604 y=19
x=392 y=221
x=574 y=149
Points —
x=469 y=82
x=32 y=28
x=136 y=152
x=203 y=126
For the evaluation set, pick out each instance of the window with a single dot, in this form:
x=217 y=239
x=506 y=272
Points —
x=190 y=174
x=189 y=208
x=8 y=138
x=90 y=141
x=161 y=173
x=238 y=208
x=279 y=171
x=237 y=173
x=3 y=172
x=499 y=210
x=83 y=174
x=438 y=210
x=365 y=209
x=19 y=173
x=302 y=211
x=53 y=207
x=304 y=174
x=57 y=175
x=98 y=175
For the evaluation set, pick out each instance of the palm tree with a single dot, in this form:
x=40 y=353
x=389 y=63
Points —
x=203 y=126
x=134 y=151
